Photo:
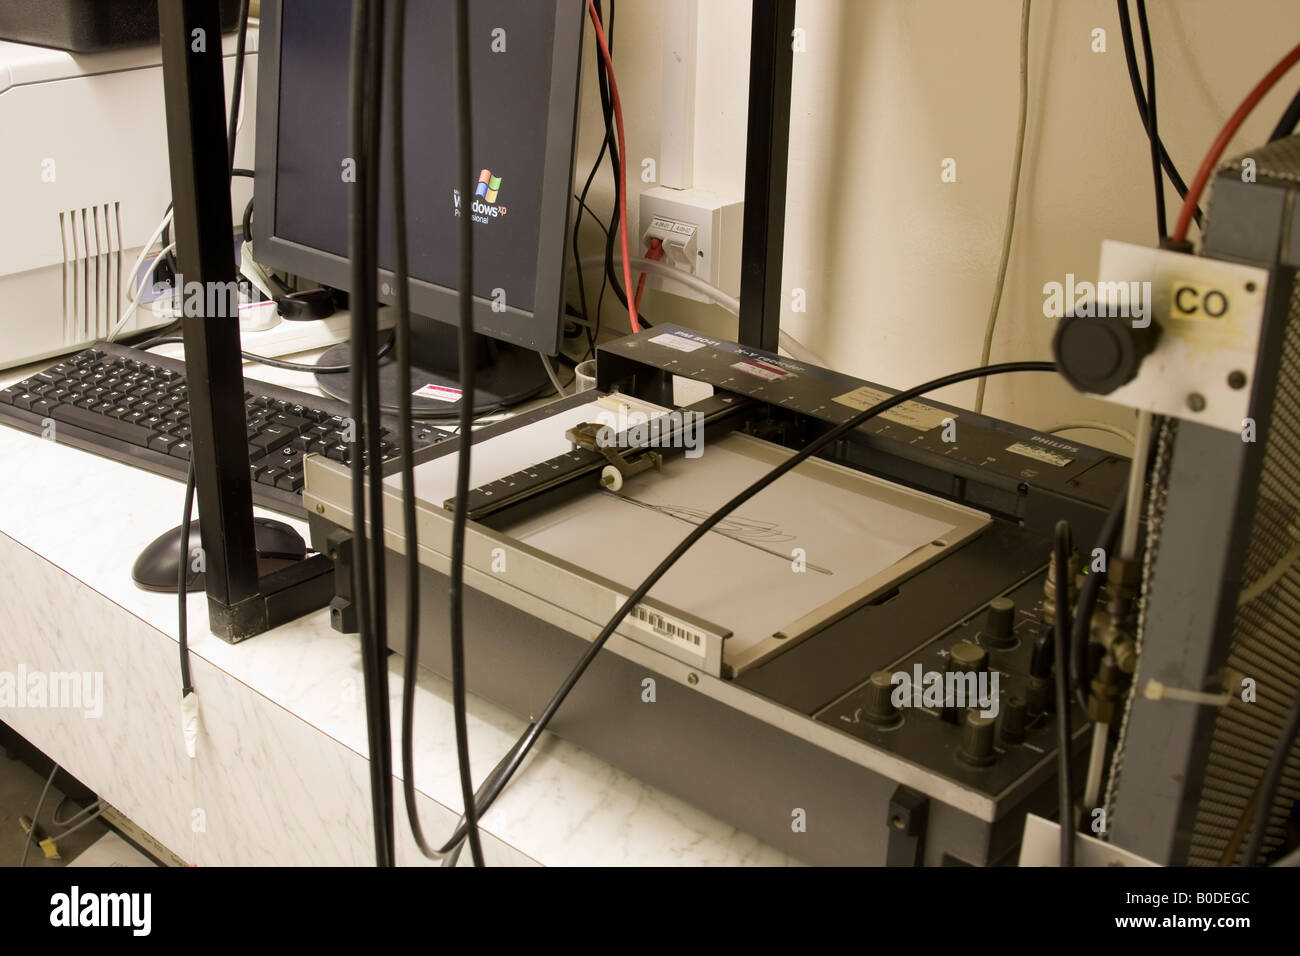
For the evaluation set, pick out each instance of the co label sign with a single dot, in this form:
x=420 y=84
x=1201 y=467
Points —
x=1192 y=301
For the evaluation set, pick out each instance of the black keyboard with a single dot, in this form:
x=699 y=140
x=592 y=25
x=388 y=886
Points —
x=131 y=406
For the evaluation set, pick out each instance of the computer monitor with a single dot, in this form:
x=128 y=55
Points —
x=525 y=68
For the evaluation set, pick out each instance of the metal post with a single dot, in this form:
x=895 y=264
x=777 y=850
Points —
x=194 y=94
x=771 y=66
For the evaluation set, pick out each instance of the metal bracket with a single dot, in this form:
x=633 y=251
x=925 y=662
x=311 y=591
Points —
x=620 y=467
x=909 y=812
x=339 y=546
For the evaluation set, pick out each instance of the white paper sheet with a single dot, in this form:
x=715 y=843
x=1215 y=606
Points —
x=741 y=575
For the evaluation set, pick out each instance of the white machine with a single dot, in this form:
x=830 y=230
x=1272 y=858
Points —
x=84 y=183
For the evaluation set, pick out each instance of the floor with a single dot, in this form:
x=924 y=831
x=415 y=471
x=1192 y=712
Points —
x=20 y=789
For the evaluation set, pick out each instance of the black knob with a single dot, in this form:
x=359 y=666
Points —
x=1099 y=354
x=879 y=708
x=965 y=656
x=977 y=740
x=999 y=624
x=1038 y=696
x=1013 y=720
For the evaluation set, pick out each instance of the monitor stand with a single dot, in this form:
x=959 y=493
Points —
x=506 y=374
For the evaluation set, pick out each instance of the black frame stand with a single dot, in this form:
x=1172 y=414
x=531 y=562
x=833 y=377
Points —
x=767 y=154
x=240 y=604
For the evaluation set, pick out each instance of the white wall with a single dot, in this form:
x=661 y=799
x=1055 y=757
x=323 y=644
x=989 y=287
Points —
x=898 y=266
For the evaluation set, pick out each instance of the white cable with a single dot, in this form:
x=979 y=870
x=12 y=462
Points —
x=1009 y=226
x=157 y=234
x=693 y=282
x=550 y=373
x=1137 y=482
x=1096 y=426
x=1273 y=574
x=1096 y=763
x=134 y=299
x=135 y=271
x=696 y=284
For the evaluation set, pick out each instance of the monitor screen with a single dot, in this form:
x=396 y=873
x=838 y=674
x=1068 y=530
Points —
x=524 y=85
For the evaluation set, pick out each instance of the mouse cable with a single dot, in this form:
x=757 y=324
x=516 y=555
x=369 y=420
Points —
x=510 y=763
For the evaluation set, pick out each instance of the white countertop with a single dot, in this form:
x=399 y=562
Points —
x=91 y=517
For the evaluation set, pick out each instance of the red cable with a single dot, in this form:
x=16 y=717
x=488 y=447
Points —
x=1221 y=142
x=622 y=163
x=654 y=254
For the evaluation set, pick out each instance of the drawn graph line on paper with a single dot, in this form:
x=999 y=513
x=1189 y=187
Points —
x=750 y=532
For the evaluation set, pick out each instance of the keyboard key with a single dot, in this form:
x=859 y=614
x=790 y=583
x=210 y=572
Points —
x=180 y=450
x=114 y=428
x=163 y=443
x=285 y=420
x=271 y=438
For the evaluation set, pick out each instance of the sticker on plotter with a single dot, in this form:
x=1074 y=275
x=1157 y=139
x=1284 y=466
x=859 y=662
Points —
x=679 y=342
x=763 y=370
x=439 y=393
x=664 y=627
x=912 y=414
x=1040 y=454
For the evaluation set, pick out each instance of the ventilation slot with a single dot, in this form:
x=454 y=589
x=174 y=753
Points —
x=91 y=239
x=1265 y=640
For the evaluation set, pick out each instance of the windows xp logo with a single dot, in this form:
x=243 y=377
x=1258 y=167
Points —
x=485 y=207
x=488 y=186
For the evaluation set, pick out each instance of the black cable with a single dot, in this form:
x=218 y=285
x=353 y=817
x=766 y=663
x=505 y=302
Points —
x=465 y=175
x=1290 y=118
x=611 y=141
x=1269 y=784
x=607 y=106
x=232 y=121
x=1087 y=603
x=592 y=331
x=246 y=224
x=363 y=255
x=510 y=763
x=182 y=582
x=1153 y=129
x=1062 y=547
x=410 y=533
x=373 y=423
x=1135 y=79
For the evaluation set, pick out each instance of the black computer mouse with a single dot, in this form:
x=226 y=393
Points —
x=156 y=569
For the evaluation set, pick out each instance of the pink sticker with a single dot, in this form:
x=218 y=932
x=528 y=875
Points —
x=440 y=393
